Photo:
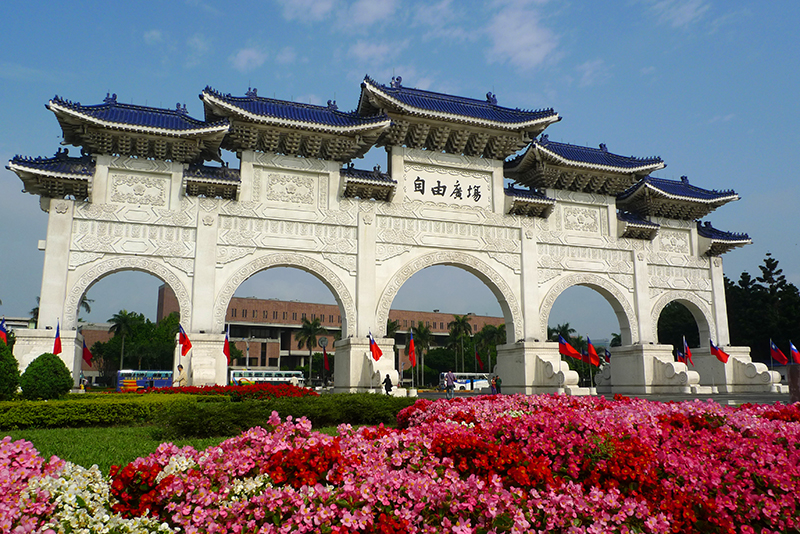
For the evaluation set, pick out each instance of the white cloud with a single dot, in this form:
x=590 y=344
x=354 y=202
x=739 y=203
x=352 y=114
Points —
x=248 y=59
x=721 y=118
x=198 y=45
x=153 y=37
x=369 y=52
x=680 y=13
x=365 y=12
x=593 y=72
x=644 y=71
x=307 y=10
x=517 y=35
x=286 y=55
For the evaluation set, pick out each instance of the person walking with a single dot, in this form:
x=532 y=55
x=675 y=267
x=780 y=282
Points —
x=181 y=381
x=387 y=384
x=450 y=384
x=494 y=385
x=499 y=384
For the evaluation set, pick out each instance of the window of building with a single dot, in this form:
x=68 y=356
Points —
x=313 y=316
x=244 y=313
x=294 y=316
x=405 y=322
x=273 y=362
x=274 y=315
x=303 y=316
x=266 y=314
x=233 y=312
x=255 y=314
x=285 y=315
x=330 y=318
x=428 y=324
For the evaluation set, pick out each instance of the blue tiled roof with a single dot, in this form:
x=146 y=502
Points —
x=362 y=174
x=111 y=111
x=706 y=230
x=227 y=174
x=293 y=111
x=61 y=163
x=592 y=156
x=512 y=191
x=632 y=218
x=679 y=189
x=455 y=105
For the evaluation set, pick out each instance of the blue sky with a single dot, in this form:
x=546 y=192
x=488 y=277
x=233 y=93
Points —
x=711 y=86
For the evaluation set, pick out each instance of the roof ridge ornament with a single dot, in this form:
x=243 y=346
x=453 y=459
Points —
x=685 y=179
x=332 y=105
x=603 y=147
x=252 y=92
x=396 y=82
x=491 y=98
x=110 y=99
x=181 y=110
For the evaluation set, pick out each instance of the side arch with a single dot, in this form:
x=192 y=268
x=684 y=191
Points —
x=509 y=302
x=133 y=263
x=628 y=323
x=699 y=308
x=340 y=292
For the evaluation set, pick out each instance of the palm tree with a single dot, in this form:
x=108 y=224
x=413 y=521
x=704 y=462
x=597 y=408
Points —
x=488 y=338
x=564 y=330
x=616 y=340
x=423 y=338
x=307 y=337
x=122 y=324
x=85 y=303
x=35 y=311
x=460 y=327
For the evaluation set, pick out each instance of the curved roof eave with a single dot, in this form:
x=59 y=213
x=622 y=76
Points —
x=32 y=170
x=671 y=196
x=212 y=129
x=381 y=125
x=594 y=166
x=461 y=118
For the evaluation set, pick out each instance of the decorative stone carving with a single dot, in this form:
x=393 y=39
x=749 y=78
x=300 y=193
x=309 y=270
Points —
x=545 y=275
x=305 y=263
x=459 y=259
x=290 y=188
x=581 y=219
x=368 y=218
x=384 y=251
x=76 y=259
x=134 y=189
x=227 y=254
x=61 y=207
x=512 y=261
x=183 y=264
x=345 y=261
x=128 y=263
x=139 y=164
x=674 y=242
x=208 y=220
x=691 y=300
x=612 y=293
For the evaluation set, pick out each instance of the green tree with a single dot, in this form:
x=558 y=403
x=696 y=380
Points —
x=675 y=322
x=563 y=330
x=46 y=377
x=35 y=311
x=616 y=340
x=460 y=332
x=486 y=340
x=122 y=324
x=9 y=373
x=423 y=339
x=307 y=337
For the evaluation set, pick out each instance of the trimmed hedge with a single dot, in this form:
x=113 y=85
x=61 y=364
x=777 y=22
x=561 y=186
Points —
x=228 y=419
x=46 y=378
x=91 y=410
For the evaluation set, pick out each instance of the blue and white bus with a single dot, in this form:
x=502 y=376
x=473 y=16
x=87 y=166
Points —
x=133 y=380
x=467 y=381
x=242 y=376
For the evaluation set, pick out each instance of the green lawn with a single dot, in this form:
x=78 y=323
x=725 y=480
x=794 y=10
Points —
x=105 y=446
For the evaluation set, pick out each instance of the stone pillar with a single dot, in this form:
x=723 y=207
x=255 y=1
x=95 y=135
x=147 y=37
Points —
x=56 y=262
x=641 y=300
x=205 y=363
x=742 y=374
x=719 y=308
x=365 y=280
x=647 y=369
x=356 y=371
x=205 y=271
x=30 y=344
x=535 y=367
x=529 y=282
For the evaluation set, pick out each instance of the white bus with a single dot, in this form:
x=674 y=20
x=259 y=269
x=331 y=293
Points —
x=240 y=377
x=467 y=381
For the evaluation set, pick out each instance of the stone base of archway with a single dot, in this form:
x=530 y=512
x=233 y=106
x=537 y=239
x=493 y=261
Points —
x=32 y=343
x=205 y=364
x=739 y=375
x=649 y=369
x=532 y=367
x=356 y=371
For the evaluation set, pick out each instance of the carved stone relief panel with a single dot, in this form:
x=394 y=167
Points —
x=345 y=261
x=268 y=233
x=568 y=258
x=227 y=254
x=581 y=219
x=138 y=164
x=460 y=259
x=411 y=231
x=119 y=237
x=512 y=261
x=76 y=259
x=291 y=188
x=673 y=241
x=677 y=277
x=141 y=189
x=385 y=251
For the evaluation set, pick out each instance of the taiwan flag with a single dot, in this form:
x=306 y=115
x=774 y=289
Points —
x=57 y=343
x=718 y=352
x=374 y=349
x=477 y=357
x=412 y=351
x=776 y=353
x=795 y=354
x=226 y=347
x=325 y=359
x=183 y=341
x=687 y=353
x=87 y=356
x=594 y=359
x=608 y=356
x=565 y=349
x=3 y=331
x=679 y=356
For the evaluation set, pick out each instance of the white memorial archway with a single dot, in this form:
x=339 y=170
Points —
x=141 y=197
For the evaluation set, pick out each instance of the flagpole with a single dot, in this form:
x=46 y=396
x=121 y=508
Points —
x=771 y=363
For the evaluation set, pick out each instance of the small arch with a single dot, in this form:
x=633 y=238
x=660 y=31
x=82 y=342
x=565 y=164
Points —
x=628 y=324
x=132 y=263
x=340 y=292
x=508 y=301
x=699 y=308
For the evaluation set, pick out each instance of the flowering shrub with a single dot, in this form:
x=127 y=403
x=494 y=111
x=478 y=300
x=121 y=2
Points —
x=261 y=390
x=489 y=464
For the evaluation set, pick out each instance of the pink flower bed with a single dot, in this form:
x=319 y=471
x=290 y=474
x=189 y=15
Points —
x=474 y=465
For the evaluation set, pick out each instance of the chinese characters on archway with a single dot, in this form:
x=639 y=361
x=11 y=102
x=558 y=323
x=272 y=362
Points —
x=473 y=191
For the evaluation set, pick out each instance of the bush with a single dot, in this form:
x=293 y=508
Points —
x=88 y=410
x=9 y=373
x=46 y=378
x=231 y=418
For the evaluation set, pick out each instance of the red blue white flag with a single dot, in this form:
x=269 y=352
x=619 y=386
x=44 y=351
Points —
x=374 y=349
x=477 y=357
x=687 y=353
x=718 y=352
x=57 y=343
x=777 y=354
x=87 y=356
x=226 y=347
x=412 y=351
x=183 y=341
x=325 y=359
x=594 y=359
x=565 y=349
x=608 y=356
x=680 y=357
x=795 y=354
x=3 y=331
